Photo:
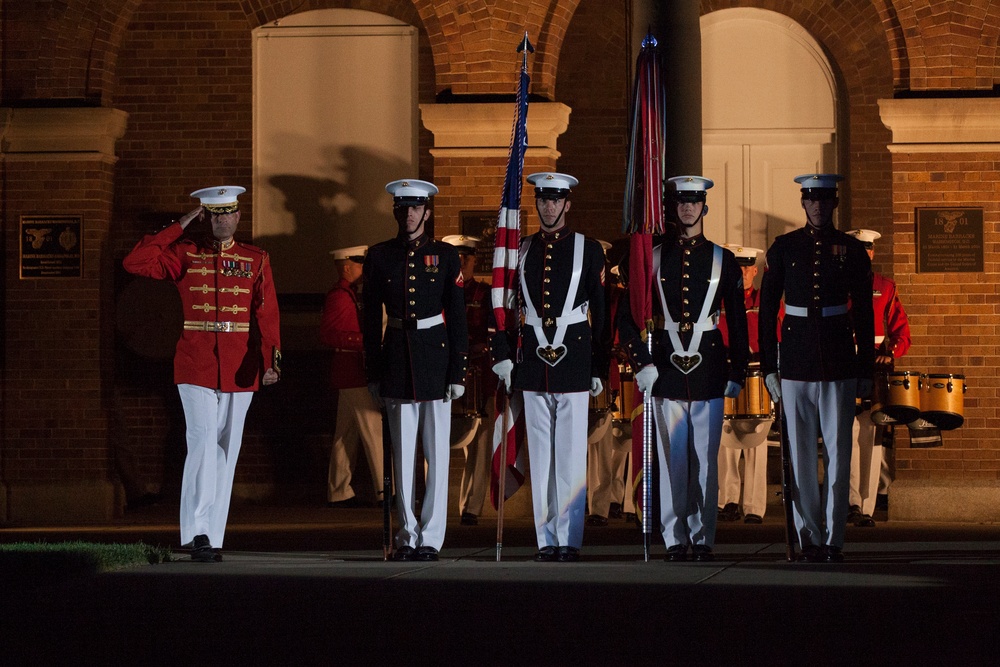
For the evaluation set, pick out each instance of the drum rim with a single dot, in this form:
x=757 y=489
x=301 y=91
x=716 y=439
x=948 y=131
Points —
x=915 y=373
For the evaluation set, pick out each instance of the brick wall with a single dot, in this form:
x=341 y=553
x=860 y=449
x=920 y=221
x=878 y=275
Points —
x=953 y=316
x=57 y=332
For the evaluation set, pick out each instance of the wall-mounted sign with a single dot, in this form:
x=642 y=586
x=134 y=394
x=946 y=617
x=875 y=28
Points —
x=51 y=246
x=949 y=240
x=483 y=225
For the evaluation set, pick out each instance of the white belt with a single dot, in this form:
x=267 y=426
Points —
x=707 y=325
x=424 y=323
x=577 y=315
x=825 y=311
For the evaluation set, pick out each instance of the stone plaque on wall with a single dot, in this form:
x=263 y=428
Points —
x=949 y=240
x=482 y=225
x=51 y=246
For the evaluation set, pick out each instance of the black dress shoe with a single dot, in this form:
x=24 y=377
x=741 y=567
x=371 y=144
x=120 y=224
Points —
x=676 y=553
x=568 y=554
x=546 y=555
x=854 y=514
x=811 y=554
x=469 y=519
x=731 y=512
x=753 y=518
x=866 y=521
x=202 y=551
x=833 y=554
x=597 y=520
x=404 y=554
x=616 y=511
x=426 y=554
x=702 y=553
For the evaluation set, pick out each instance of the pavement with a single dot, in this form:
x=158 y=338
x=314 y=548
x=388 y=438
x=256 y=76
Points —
x=308 y=585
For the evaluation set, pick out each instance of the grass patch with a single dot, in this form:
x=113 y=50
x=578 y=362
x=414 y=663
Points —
x=41 y=561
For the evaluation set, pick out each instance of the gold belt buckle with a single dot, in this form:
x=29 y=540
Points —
x=686 y=326
x=548 y=322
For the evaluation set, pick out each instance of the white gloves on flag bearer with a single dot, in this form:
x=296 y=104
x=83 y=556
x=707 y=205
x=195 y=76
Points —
x=503 y=369
x=596 y=386
x=646 y=378
x=453 y=391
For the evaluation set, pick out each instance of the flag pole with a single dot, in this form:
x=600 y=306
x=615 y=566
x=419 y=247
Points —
x=524 y=47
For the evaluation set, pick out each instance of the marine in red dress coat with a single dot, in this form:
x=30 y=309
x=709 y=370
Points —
x=230 y=346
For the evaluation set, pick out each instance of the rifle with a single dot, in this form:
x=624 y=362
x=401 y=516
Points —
x=386 y=486
x=786 y=484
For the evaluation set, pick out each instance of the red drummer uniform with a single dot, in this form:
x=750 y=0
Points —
x=230 y=309
x=891 y=323
x=751 y=299
x=340 y=329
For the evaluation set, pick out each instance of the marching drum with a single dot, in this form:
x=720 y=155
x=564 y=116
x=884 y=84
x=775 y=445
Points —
x=626 y=400
x=897 y=397
x=753 y=402
x=942 y=400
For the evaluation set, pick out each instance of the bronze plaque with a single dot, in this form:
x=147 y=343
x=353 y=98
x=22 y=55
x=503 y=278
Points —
x=482 y=225
x=51 y=246
x=949 y=240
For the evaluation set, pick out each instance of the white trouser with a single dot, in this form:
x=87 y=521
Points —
x=888 y=473
x=358 y=422
x=813 y=409
x=214 y=434
x=556 y=426
x=688 y=433
x=476 y=474
x=432 y=420
x=754 y=467
x=866 y=462
x=600 y=475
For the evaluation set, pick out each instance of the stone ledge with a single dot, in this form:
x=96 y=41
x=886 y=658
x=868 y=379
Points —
x=53 y=503
x=42 y=131
x=488 y=125
x=948 y=500
x=942 y=122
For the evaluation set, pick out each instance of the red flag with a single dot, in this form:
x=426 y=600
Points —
x=642 y=217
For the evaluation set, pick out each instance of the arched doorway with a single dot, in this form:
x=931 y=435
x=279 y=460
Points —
x=769 y=103
x=335 y=119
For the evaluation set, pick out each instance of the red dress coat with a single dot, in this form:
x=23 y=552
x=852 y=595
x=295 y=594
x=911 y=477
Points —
x=340 y=329
x=231 y=327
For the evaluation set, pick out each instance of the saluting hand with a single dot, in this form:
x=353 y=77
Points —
x=186 y=219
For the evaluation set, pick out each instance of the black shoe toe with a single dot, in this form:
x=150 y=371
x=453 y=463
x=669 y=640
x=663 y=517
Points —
x=546 y=555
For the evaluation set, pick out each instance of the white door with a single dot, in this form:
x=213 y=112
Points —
x=768 y=115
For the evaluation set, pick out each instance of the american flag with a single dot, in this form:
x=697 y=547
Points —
x=504 y=296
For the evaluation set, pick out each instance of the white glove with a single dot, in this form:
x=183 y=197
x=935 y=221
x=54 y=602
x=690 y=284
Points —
x=732 y=389
x=865 y=386
x=596 y=387
x=503 y=369
x=646 y=378
x=453 y=391
x=773 y=385
x=373 y=389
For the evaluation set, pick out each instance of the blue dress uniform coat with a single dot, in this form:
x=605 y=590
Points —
x=547 y=267
x=414 y=280
x=816 y=269
x=685 y=268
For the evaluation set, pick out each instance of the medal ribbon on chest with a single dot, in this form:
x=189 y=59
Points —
x=431 y=263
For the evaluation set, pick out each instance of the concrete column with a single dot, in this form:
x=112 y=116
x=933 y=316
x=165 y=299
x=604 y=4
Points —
x=56 y=455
